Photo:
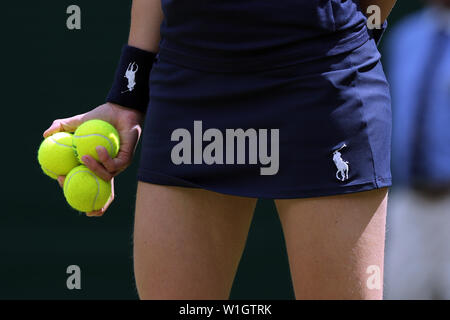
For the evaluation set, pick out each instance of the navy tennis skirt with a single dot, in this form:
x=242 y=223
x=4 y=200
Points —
x=310 y=129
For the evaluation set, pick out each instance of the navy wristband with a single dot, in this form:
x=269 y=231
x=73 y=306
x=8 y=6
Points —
x=131 y=82
x=377 y=34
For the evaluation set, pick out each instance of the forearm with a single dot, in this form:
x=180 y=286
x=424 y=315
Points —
x=146 y=18
x=385 y=6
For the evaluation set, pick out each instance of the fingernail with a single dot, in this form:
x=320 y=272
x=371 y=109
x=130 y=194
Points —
x=85 y=159
x=99 y=150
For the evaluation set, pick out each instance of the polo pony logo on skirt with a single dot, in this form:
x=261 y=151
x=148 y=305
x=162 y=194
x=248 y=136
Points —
x=341 y=164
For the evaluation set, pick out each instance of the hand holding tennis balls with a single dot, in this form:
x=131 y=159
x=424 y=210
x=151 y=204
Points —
x=93 y=133
x=127 y=123
x=59 y=154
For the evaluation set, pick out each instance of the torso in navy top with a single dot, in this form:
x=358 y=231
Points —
x=235 y=35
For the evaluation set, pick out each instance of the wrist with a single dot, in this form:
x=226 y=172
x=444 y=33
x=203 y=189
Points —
x=130 y=87
x=133 y=114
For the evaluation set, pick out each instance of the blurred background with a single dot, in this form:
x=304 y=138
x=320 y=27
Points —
x=417 y=61
x=51 y=72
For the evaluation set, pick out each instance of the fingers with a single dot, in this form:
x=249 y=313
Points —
x=102 y=211
x=72 y=123
x=61 y=180
x=107 y=167
x=97 y=213
x=97 y=167
x=106 y=160
x=64 y=125
x=128 y=144
x=122 y=160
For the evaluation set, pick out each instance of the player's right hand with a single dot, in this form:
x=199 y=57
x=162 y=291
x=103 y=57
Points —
x=128 y=123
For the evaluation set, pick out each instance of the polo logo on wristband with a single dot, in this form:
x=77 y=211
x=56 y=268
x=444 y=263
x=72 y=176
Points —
x=131 y=60
x=130 y=74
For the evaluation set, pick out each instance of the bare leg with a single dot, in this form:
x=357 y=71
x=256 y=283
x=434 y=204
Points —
x=188 y=242
x=335 y=244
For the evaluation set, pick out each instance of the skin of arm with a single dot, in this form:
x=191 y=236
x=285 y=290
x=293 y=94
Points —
x=385 y=6
x=146 y=18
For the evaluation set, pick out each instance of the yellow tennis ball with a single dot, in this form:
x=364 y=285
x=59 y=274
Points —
x=85 y=191
x=95 y=133
x=56 y=155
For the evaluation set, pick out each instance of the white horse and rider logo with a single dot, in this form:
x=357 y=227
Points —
x=341 y=164
x=130 y=74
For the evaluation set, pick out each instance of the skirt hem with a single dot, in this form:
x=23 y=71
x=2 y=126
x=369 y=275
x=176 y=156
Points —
x=166 y=180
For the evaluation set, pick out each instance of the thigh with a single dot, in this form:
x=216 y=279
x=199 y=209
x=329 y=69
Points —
x=188 y=242
x=335 y=244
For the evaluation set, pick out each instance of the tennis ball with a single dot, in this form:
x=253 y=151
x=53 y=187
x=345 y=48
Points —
x=85 y=191
x=93 y=133
x=56 y=155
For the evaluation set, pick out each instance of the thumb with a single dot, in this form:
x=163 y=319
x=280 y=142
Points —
x=64 y=125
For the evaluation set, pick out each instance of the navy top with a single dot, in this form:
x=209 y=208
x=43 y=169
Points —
x=238 y=35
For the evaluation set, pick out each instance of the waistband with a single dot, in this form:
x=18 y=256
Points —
x=225 y=63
